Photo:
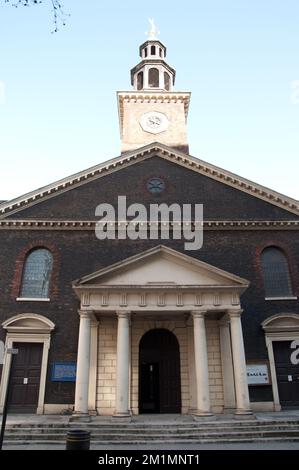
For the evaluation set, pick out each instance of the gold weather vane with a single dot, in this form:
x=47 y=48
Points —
x=153 y=32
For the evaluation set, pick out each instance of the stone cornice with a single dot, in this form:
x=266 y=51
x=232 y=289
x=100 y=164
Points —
x=153 y=62
x=162 y=151
x=42 y=224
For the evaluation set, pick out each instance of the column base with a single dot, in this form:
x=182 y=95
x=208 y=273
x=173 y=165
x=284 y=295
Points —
x=246 y=414
x=121 y=415
x=206 y=415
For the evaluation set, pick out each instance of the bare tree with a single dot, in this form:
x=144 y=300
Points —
x=58 y=13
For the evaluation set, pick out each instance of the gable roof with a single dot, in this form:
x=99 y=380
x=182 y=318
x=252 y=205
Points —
x=201 y=273
x=130 y=158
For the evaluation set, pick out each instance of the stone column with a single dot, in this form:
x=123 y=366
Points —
x=227 y=365
x=123 y=364
x=241 y=387
x=82 y=378
x=145 y=77
x=201 y=364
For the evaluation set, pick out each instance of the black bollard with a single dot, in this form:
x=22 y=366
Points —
x=77 y=439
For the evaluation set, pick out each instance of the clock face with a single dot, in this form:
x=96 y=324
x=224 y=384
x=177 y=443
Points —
x=155 y=185
x=154 y=122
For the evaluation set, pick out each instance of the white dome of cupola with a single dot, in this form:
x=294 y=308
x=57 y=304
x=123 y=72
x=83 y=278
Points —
x=152 y=73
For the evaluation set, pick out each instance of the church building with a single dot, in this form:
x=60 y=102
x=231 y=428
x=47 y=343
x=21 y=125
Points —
x=111 y=324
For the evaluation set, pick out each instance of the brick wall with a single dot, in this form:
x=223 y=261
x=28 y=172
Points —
x=77 y=253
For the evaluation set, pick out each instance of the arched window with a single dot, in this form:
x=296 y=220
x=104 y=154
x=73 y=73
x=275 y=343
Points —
x=140 y=81
x=277 y=280
x=153 y=78
x=160 y=52
x=145 y=52
x=153 y=50
x=36 y=274
x=166 y=81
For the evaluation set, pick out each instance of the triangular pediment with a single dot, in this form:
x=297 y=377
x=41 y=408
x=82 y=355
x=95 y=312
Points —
x=127 y=159
x=161 y=267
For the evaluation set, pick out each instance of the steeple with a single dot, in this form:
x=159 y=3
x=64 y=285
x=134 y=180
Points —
x=152 y=73
x=152 y=111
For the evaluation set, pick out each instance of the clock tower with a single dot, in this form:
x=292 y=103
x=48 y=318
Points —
x=153 y=112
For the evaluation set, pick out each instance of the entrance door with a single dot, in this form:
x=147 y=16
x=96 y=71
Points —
x=25 y=378
x=286 y=355
x=159 y=373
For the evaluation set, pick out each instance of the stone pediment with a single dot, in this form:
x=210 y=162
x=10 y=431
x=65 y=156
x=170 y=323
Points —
x=29 y=322
x=127 y=159
x=281 y=322
x=161 y=267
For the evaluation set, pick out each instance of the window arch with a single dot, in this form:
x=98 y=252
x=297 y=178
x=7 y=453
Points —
x=36 y=274
x=276 y=274
x=153 y=50
x=140 y=81
x=166 y=81
x=153 y=78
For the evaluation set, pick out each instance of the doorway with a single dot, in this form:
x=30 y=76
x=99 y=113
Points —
x=287 y=373
x=25 y=378
x=159 y=373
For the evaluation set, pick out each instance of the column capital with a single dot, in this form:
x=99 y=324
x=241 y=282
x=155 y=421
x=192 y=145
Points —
x=235 y=313
x=85 y=313
x=198 y=313
x=123 y=314
x=88 y=314
x=224 y=321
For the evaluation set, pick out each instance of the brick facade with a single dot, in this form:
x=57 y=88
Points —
x=78 y=253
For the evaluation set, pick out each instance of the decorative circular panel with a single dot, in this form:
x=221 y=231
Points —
x=155 y=185
x=154 y=122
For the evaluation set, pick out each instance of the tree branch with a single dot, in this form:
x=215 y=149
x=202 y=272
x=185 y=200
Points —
x=59 y=16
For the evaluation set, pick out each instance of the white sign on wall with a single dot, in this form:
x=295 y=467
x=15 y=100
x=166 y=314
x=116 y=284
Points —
x=257 y=374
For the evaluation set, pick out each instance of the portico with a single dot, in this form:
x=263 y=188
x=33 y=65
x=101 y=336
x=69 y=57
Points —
x=163 y=290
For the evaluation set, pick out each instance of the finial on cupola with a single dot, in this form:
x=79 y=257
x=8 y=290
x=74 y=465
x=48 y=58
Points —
x=153 y=33
x=152 y=73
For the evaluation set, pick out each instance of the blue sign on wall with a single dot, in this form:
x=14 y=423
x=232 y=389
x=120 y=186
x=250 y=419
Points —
x=64 y=372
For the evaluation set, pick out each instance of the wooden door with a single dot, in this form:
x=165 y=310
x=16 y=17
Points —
x=286 y=357
x=159 y=373
x=25 y=378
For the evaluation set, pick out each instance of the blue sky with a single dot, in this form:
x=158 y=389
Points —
x=239 y=58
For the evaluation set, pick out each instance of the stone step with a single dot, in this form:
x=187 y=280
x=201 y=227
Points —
x=170 y=430
x=125 y=433
x=138 y=427
x=109 y=437
x=106 y=443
